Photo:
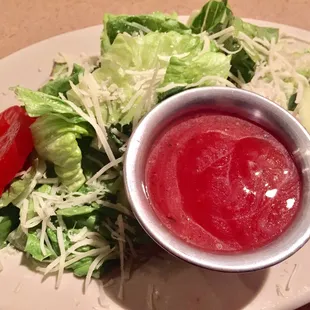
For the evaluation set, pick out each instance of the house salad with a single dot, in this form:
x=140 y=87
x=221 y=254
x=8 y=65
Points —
x=62 y=197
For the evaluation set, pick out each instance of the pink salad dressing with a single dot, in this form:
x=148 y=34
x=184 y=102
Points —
x=222 y=183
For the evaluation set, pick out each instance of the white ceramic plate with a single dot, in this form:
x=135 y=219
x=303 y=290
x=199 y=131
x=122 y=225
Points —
x=176 y=285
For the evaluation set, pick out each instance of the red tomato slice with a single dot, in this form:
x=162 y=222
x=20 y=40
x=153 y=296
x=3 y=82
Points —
x=15 y=143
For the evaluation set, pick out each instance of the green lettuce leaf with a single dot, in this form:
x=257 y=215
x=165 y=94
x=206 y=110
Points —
x=192 y=70
x=291 y=106
x=62 y=84
x=184 y=73
x=54 y=241
x=17 y=238
x=244 y=62
x=9 y=220
x=241 y=63
x=115 y=24
x=17 y=188
x=80 y=221
x=123 y=72
x=123 y=67
x=55 y=141
x=254 y=31
x=213 y=17
x=37 y=103
x=5 y=229
x=33 y=247
x=80 y=268
x=77 y=210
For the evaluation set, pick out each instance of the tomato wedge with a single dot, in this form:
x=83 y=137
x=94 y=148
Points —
x=15 y=143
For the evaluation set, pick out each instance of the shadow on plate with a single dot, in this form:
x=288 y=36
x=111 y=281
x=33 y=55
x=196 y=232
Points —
x=167 y=283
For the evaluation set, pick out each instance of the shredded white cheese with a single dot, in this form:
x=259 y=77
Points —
x=62 y=257
x=101 y=135
x=104 y=169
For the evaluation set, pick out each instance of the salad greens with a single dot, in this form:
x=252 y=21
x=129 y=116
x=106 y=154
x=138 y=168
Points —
x=135 y=25
x=213 y=17
x=69 y=210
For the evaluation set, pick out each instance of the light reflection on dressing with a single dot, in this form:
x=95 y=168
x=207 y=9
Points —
x=271 y=193
x=248 y=191
x=290 y=203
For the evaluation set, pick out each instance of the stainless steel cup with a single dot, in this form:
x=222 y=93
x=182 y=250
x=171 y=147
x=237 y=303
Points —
x=236 y=102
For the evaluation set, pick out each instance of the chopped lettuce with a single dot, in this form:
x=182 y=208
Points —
x=77 y=210
x=254 y=31
x=18 y=238
x=17 y=188
x=80 y=268
x=37 y=103
x=292 y=103
x=62 y=83
x=241 y=63
x=33 y=247
x=244 y=62
x=189 y=71
x=54 y=241
x=140 y=24
x=213 y=17
x=9 y=220
x=55 y=141
x=5 y=229
x=185 y=73
x=132 y=68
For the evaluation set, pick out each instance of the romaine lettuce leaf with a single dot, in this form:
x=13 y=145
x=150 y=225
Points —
x=143 y=52
x=213 y=17
x=55 y=141
x=17 y=238
x=291 y=106
x=254 y=31
x=80 y=268
x=186 y=72
x=62 y=84
x=5 y=229
x=115 y=24
x=241 y=63
x=132 y=68
x=54 y=241
x=17 y=187
x=9 y=220
x=37 y=103
x=33 y=247
x=77 y=210
x=189 y=71
x=244 y=62
x=80 y=221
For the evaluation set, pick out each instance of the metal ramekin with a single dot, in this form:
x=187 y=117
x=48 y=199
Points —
x=246 y=105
